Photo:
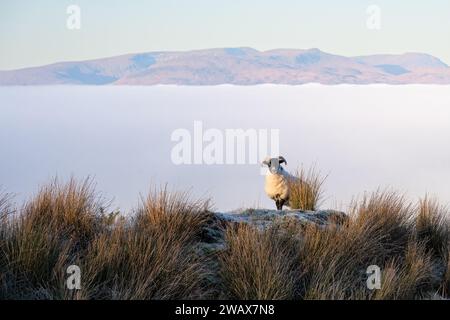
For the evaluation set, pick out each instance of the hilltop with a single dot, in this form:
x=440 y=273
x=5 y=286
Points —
x=175 y=247
x=238 y=66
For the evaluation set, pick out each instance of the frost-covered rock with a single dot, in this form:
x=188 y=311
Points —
x=263 y=218
x=212 y=237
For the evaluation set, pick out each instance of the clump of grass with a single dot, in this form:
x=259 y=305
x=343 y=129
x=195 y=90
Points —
x=432 y=226
x=390 y=215
x=306 y=190
x=46 y=235
x=406 y=278
x=334 y=259
x=70 y=208
x=153 y=256
x=173 y=214
x=256 y=265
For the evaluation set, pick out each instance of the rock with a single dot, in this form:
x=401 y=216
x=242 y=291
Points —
x=262 y=218
x=212 y=236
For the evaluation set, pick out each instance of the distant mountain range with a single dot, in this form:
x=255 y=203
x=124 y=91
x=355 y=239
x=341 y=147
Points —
x=240 y=66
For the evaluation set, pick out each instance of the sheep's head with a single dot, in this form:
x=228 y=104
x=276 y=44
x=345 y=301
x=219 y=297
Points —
x=274 y=164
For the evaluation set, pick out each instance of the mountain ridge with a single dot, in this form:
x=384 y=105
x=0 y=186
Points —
x=239 y=66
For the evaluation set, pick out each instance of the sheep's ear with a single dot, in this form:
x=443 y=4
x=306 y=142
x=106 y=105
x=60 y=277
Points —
x=281 y=160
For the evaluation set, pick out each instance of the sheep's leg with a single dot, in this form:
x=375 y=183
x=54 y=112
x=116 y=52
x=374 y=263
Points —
x=281 y=203
x=278 y=204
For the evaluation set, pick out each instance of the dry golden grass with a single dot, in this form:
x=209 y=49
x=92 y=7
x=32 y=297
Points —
x=159 y=253
x=432 y=226
x=256 y=265
x=71 y=209
x=389 y=216
x=406 y=277
x=154 y=256
x=51 y=229
x=317 y=262
x=306 y=191
x=379 y=232
x=433 y=230
x=172 y=214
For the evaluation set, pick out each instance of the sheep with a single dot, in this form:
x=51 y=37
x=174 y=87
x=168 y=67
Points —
x=277 y=181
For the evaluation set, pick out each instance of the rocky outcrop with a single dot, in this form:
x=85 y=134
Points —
x=262 y=218
x=212 y=237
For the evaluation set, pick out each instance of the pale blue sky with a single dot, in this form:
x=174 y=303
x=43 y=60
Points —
x=34 y=32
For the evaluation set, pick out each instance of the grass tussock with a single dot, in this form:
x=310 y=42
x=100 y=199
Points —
x=408 y=276
x=45 y=236
x=389 y=217
x=432 y=226
x=256 y=265
x=72 y=211
x=380 y=232
x=333 y=260
x=306 y=190
x=154 y=256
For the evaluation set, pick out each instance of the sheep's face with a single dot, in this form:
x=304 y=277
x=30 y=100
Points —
x=274 y=164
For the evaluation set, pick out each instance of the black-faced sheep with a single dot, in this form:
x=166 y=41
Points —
x=277 y=181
